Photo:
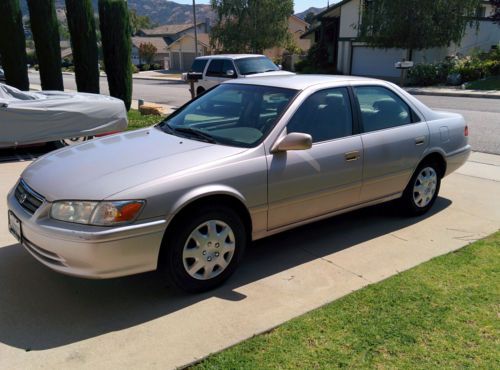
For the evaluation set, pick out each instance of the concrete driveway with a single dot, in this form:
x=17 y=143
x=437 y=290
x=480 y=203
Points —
x=49 y=320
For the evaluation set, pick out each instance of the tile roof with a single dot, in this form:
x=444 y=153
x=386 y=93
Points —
x=158 y=42
x=168 y=29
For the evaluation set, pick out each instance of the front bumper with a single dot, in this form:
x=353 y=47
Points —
x=89 y=251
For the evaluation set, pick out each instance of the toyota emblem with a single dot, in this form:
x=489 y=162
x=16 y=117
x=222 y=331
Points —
x=23 y=198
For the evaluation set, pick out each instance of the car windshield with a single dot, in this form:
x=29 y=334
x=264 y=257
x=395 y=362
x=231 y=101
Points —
x=230 y=114
x=249 y=66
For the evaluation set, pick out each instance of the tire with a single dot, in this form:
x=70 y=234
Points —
x=200 y=91
x=72 y=141
x=190 y=259
x=422 y=190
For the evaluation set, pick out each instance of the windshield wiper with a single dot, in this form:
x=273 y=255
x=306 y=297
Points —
x=194 y=132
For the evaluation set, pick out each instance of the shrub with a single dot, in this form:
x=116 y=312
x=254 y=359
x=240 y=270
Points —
x=424 y=75
x=156 y=67
x=135 y=69
x=145 y=67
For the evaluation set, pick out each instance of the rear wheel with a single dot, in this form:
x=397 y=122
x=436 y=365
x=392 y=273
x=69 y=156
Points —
x=203 y=250
x=423 y=189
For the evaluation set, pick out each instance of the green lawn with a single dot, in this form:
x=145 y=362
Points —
x=136 y=120
x=441 y=314
x=490 y=83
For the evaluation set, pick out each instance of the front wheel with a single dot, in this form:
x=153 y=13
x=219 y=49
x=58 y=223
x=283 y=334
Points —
x=203 y=250
x=423 y=189
x=72 y=141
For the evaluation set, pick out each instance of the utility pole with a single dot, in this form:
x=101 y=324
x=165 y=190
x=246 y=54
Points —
x=195 y=31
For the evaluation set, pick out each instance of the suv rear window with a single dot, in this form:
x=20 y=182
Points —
x=199 y=65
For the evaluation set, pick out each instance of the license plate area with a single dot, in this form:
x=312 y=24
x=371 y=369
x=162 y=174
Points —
x=15 y=227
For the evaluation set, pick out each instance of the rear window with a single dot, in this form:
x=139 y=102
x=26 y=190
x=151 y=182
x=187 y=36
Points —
x=199 y=65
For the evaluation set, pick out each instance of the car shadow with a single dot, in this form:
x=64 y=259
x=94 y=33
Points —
x=41 y=309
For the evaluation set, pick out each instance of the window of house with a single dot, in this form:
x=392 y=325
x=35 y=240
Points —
x=325 y=115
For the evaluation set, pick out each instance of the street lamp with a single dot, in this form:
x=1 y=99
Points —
x=195 y=31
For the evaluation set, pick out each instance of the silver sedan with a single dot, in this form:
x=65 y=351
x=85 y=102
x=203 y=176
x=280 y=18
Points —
x=245 y=160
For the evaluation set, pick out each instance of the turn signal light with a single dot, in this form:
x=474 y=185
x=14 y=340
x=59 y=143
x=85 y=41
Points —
x=466 y=131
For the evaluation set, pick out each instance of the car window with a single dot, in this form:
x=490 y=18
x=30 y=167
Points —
x=215 y=68
x=254 y=65
x=382 y=108
x=219 y=67
x=227 y=66
x=232 y=114
x=199 y=65
x=325 y=115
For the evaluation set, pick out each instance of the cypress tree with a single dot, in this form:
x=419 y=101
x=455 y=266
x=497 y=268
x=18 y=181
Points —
x=45 y=29
x=117 y=48
x=81 y=24
x=13 y=45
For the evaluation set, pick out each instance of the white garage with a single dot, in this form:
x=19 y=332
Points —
x=376 y=62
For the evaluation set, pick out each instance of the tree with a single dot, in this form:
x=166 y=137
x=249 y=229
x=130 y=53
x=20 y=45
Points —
x=310 y=17
x=45 y=29
x=250 y=25
x=496 y=11
x=116 y=47
x=416 y=24
x=81 y=24
x=138 y=22
x=147 y=52
x=12 y=45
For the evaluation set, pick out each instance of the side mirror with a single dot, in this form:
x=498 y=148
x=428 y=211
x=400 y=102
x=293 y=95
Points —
x=231 y=73
x=293 y=141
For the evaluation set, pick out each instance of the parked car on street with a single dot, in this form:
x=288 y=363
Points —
x=215 y=69
x=54 y=116
x=247 y=159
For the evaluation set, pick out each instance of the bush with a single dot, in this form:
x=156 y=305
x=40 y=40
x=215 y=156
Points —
x=145 y=67
x=135 y=69
x=424 y=75
x=156 y=67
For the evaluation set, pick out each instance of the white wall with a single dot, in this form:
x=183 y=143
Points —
x=349 y=19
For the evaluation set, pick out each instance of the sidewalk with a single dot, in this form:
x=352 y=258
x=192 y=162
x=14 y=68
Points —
x=453 y=92
x=48 y=320
x=147 y=75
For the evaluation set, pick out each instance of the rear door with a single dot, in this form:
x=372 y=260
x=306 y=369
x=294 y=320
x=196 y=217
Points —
x=394 y=140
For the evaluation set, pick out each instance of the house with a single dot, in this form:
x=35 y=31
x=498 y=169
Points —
x=180 y=43
x=182 y=51
x=161 y=56
x=337 y=28
x=297 y=27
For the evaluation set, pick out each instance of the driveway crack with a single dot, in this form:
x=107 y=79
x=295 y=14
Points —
x=336 y=265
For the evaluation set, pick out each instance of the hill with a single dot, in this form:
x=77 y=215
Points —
x=314 y=10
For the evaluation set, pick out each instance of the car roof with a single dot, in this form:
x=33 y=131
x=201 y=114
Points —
x=231 y=56
x=298 y=82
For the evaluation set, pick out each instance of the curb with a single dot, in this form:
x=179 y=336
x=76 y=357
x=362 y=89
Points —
x=454 y=94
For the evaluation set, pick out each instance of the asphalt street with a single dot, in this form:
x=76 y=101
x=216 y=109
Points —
x=482 y=115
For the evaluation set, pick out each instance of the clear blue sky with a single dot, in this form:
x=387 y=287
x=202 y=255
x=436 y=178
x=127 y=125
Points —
x=300 y=5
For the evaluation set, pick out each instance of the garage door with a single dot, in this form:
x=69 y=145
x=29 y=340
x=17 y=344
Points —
x=176 y=61
x=187 y=60
x=375 y=62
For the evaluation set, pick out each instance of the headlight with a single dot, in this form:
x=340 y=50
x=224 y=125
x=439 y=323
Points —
x=97 y=213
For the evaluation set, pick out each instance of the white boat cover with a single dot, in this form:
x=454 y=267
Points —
x=39 y=117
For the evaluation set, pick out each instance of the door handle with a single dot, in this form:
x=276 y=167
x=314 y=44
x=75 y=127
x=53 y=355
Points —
x=420 y=140
x=351 y=156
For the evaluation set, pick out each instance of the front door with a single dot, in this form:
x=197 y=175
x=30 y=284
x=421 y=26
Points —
x=217 y=72
x=325 y=178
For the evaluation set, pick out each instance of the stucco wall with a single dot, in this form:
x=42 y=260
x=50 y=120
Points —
x=349 y=19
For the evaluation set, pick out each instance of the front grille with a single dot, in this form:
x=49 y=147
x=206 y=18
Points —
x=28 y=198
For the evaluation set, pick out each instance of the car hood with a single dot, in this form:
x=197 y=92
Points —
x=103 y=167
x=273 y=73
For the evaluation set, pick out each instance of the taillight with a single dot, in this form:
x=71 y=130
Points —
x=466 y=131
